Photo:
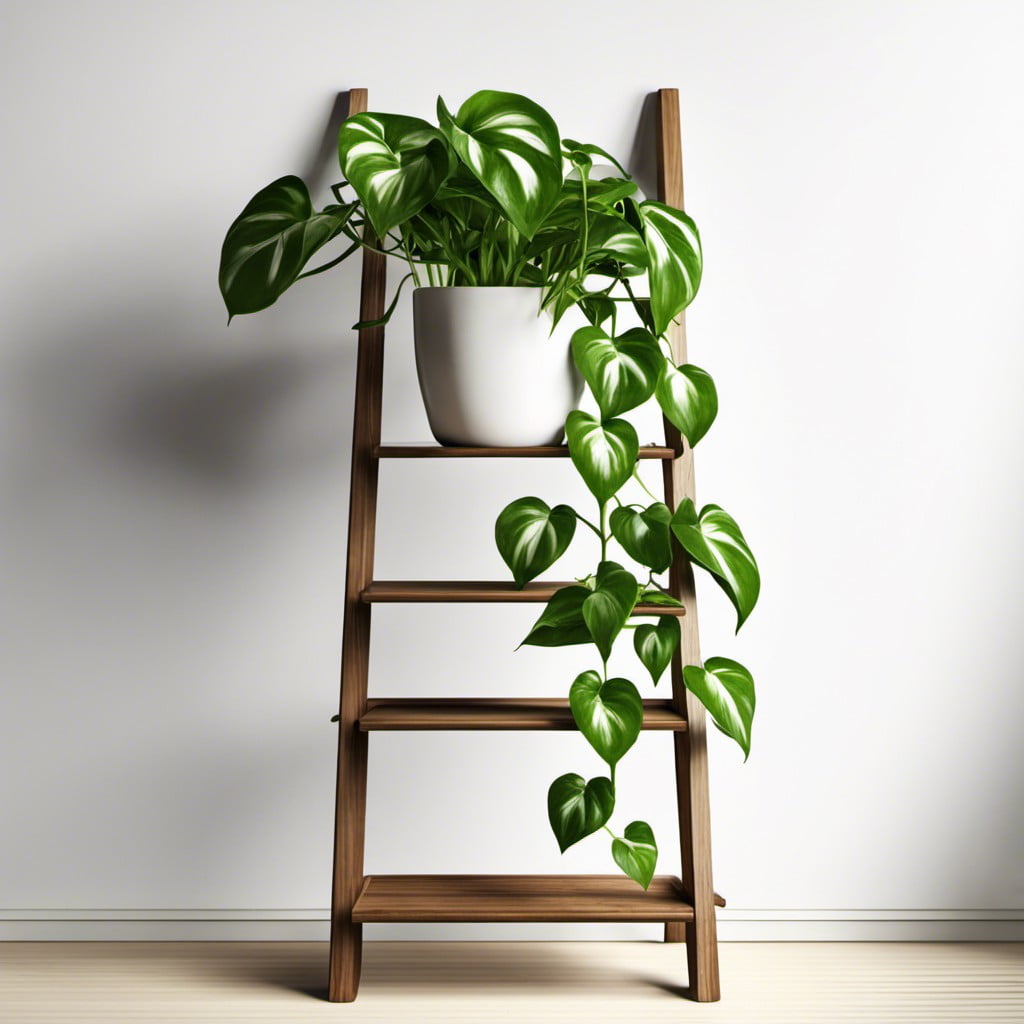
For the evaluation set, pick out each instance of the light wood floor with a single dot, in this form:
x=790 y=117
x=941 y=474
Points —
x=789 y=983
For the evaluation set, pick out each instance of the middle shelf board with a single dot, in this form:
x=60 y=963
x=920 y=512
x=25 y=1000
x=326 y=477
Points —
x=494 y=713
x=478 y=591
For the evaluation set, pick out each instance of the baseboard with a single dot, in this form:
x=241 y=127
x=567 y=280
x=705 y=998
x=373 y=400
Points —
x=735 y=925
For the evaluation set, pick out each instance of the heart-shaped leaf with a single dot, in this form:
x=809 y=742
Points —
x=659 y=597
x=561 y=624
x=270 y=242
x=622 y=372
x=577 y=808
x=531 y=537
x=655 y=644
x=610 y=715
x=726 y=689
x=636 y=852
x=609 y=605
x=713 y=540
x=688 y=399
x=395 y=163
x=603 y=452
x=644 y=535
x=609 y=236
x=511 y=145
x=674 y=258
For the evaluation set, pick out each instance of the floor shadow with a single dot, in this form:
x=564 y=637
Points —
x=441 y=967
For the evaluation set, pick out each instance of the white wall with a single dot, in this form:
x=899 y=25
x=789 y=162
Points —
x=175 y=492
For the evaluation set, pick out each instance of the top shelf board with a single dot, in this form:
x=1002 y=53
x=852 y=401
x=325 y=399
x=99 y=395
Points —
x=436 y=451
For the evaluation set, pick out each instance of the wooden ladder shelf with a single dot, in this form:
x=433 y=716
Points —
x=686 y=904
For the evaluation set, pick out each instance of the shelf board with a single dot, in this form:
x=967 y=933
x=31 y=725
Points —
x=494 y=713
x=519 y=898
x=437 y=451
x=477 y=591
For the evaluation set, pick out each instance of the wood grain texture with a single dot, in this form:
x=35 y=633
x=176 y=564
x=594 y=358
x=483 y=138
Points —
x=350 y=805
x=436 y=451
x=692 y=783
x=518 y=898
x=477 y=592
x=494 y=713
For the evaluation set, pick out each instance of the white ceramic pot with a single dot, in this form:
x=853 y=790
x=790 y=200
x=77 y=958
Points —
x=491 y=371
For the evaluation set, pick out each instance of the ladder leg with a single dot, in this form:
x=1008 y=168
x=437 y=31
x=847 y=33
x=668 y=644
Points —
x=350 y=809
x=695 y=839
x=675 y=931
x=350 y=824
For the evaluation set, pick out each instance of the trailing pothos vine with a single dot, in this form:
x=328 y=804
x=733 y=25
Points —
x=623 y=371
x=493 y=195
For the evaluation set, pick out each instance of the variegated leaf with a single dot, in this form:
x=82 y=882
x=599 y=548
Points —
x=531 y=536
x=688 y=398
x=644 y=535
x=607 y=608
x=561 y=624
x=612 y=237
x=713 y=540
x=726 y=689
x=270 y=242
x=609 y=714
x=655 y=644
x=577 y=808
x=637 y=852
x=511 y=144
x=604 y=452
x=622 y=372
x=395 y=163
x=674 y=254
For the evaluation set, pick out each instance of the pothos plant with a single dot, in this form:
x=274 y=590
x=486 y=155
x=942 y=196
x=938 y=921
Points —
x=492 y=195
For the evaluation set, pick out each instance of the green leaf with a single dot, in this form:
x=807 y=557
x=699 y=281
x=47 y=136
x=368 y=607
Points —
x=673 y=251
x=655 y=644
x=577 y=809
x=561 y=624
x=603 y=452
x=609 y=605
x=688 y=399
x=270 y=242
x=636 y=852
x=511 y=145
x=622 y=371
x=395 y=163
x=609 y=235
x=591 y=150
x=726 y=689
x=531 y=537
x=644 y=535
x=659 y=597
x=713 y=540
x=610 y=714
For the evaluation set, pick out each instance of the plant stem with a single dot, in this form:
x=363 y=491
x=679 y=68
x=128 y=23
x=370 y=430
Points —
x=636 y=477
x=587 y=522
x=604 y=531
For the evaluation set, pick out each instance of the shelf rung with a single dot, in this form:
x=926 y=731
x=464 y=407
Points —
x=494 y=713
x=477 y=591
x=519 y=898
x=436 y=451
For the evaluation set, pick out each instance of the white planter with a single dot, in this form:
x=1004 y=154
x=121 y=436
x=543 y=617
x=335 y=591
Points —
x=491 y=371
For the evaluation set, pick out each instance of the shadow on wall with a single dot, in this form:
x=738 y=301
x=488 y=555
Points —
x=164 y=479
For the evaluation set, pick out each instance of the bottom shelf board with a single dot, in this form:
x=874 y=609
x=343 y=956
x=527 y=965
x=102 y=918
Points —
x=519 y=898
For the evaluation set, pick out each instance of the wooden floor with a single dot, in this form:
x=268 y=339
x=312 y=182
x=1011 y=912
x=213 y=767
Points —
x=567 y=982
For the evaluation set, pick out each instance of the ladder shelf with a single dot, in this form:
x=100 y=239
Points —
x=685 y=904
